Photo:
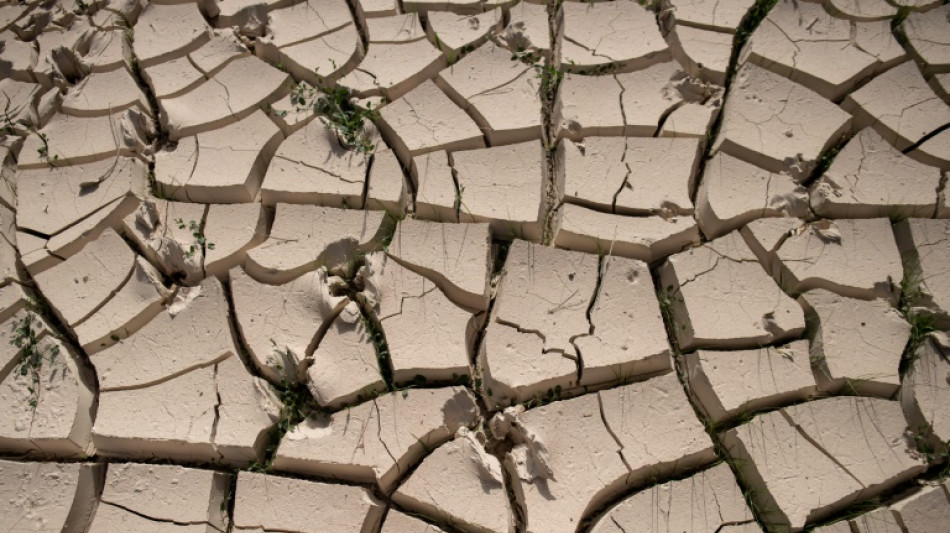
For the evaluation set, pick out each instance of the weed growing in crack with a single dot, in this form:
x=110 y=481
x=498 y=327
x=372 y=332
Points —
x=157 y=192
x=296 y=405
x=338 y=113
x=827 y=157
x=541 y=399
x=666 y=298
x=376 y=337
x=43 y=151
x=197 y=232
x=282 y=359
x=457 y=205
x=921 y=324
x=934 y=452
x=549 y=74
x=227 y=504
x=26 y=332
x=753 y=17
x=599 y=70
x=911 y=290
x=897 y=21
x=9 y=127
x=750 y=21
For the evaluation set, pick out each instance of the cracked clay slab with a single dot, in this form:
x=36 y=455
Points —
x=857 y=343
x=778 y=125
x=47 y=497
x=332 y=237
x=851 y=448
x=826 y=54
x=269 y=503
x=734 y=193
x=576 y=455
x=901 y=107
x=926 y=388
x=459 y=483
x=598 y=34
x=428 y=336
x=924 y=253
x=503 y=186
x=312 y=167
x=454 y=256
x=857 y=258
x=727 y=384
x=281 y=324
x=708 y=500
x=216 y=413
x=378 y=440
x=162 y=494
x=870 y=178
x=52 y=414
x=720 y=297
x=344 y=368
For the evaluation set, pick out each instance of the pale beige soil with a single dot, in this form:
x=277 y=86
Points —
x=674 y=266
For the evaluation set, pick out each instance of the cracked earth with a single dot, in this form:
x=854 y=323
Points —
x=674 y=266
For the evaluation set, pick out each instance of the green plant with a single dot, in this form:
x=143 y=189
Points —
x=898 y=20
x=921 y=323
x=539 y=399
x=934 y=452
x=293 y=411
x=295 y=406
x=911 y=284
x=666 y=297
x=26 y=332
x=458 y=199
x=43 y=151
x=550 y=76
x=549 y=73
x=198 y=233
x=8 y=126
x=338 y=113
x=920 y=326
x=346 y=119
x=375 y=333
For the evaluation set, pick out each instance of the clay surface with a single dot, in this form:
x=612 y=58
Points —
x=427 y=334
x=460 y=483
x=161 y=493
x=709 y=498
x=720 y=297
x=384 y=445
x=728 y=384
x=903 y=109
x=920 y=242
x=795 y=40
x=265 y=503
x=867 y=265
x=870 y=178
x=926 y=386
x=471 y=266
x=838 y=325
x=816 y=436
x=777 y=124
x=578 y=453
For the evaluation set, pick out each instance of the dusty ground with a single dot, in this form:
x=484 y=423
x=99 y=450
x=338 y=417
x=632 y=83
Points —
x=585 y=267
